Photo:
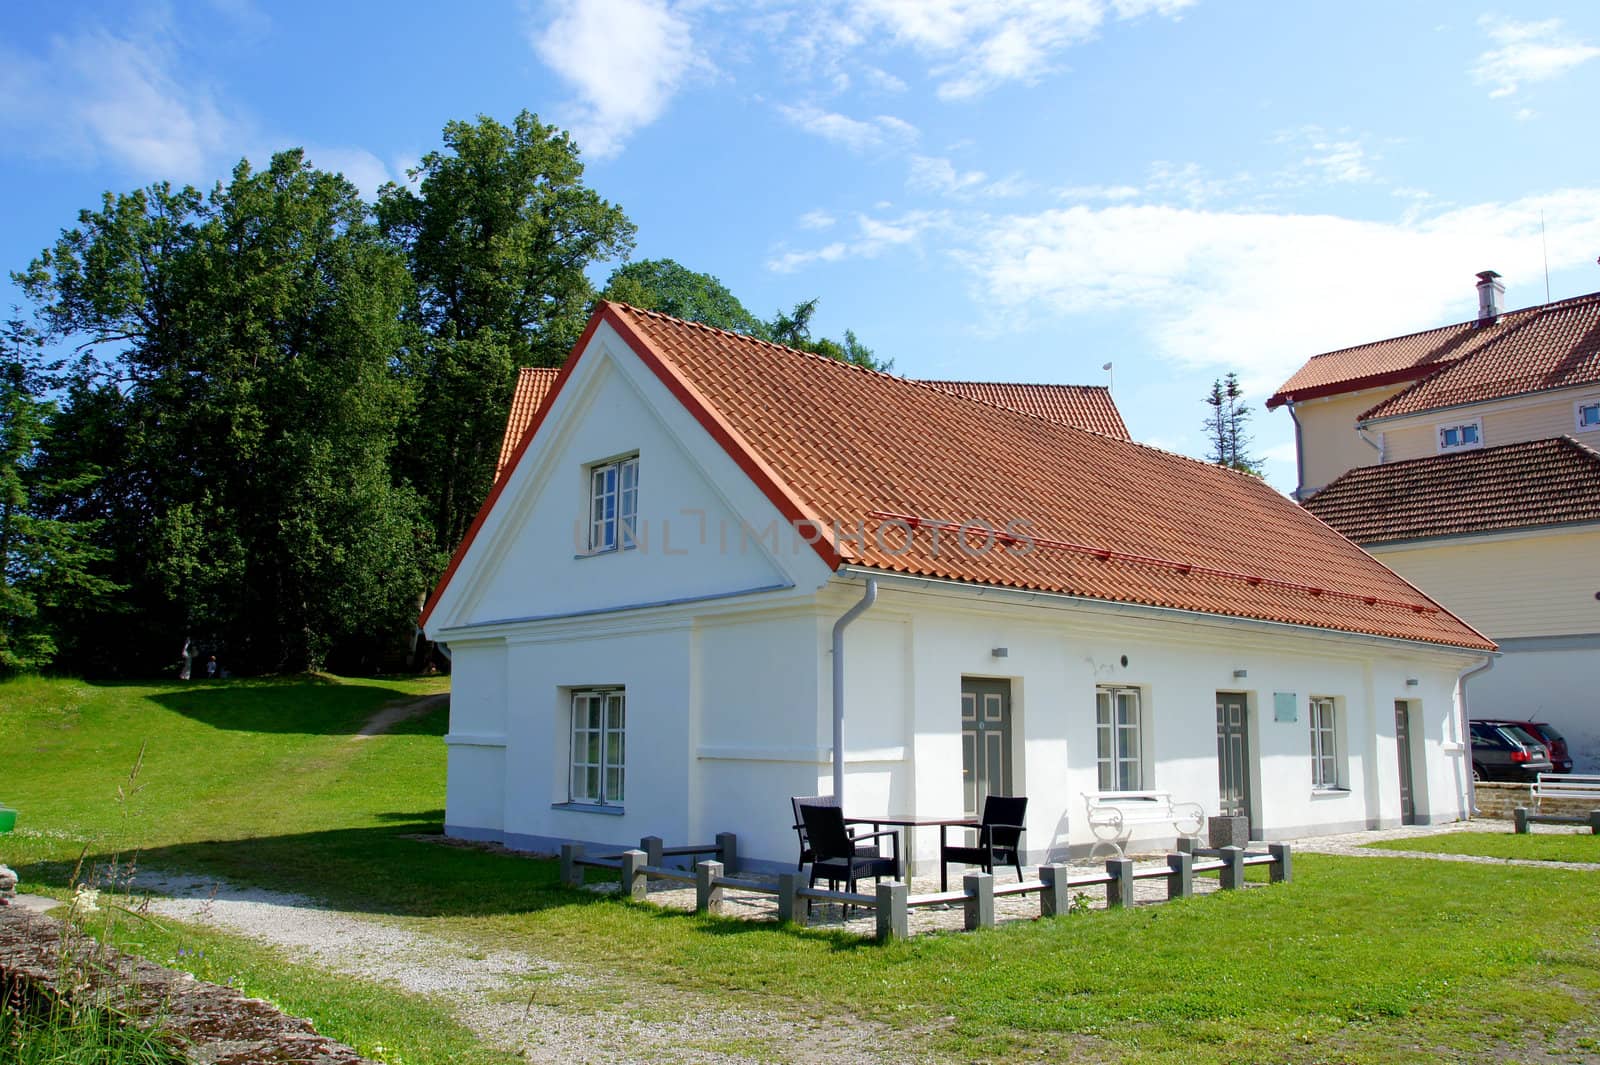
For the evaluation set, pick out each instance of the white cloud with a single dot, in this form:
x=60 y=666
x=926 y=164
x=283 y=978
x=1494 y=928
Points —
x=1525 y=113
x=873 y=237
x=882 y=80
x=625 y=58
x=360 y=167
x=976 y=45
x=929 y=174
x=854 y=133
x=1191 y=182
x=816 y=219
x=1260 y=292
x=1529 y=51
x=1098 y=192
x=101 y=97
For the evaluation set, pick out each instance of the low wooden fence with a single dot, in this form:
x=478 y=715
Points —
x=1056 y=884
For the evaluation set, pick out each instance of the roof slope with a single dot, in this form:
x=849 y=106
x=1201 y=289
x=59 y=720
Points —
x=850 y=449
x=1085 y=406
x=1553 y=346
x=1517 y=486
x=533 y=385
x=1461 y=363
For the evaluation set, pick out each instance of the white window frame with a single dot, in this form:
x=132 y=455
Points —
x=614 y=505
x=1474 y=424
x=1119 y=766
x=1580 y=408
x=1326 y=769
x=597 y=767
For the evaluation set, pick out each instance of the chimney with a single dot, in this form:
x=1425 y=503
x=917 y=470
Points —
x=1490 y=294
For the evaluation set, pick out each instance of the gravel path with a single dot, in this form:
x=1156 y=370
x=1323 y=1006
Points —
x=1352 y=844
x=546 y=1011
x=391 y=714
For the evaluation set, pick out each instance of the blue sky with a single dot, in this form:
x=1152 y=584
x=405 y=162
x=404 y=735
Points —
x=993 y=189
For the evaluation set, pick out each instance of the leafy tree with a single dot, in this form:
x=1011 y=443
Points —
x=242 y=395
x=665 y=285
x=1225 y=427
x=49 y=561
x=794 y=330
x=497 y=235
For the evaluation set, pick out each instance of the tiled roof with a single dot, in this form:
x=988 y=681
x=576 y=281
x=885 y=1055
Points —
x=1106 y=519
x=1542 y=348
x=1517 y=486
x=1470 y=362
x=1085 y=406
x=533 y=384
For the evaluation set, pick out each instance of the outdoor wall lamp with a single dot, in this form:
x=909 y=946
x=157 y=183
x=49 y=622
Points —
x=1412 y=682
x=1001 y=652
x=1240 y=674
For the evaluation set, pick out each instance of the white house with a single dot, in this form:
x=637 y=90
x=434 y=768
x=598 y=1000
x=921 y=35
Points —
x=643 y=619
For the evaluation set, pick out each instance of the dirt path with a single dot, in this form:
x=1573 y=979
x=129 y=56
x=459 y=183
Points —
x=546 y=1011
x=391 y=714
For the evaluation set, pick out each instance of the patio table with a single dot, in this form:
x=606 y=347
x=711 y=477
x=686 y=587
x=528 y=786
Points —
x=908 y=823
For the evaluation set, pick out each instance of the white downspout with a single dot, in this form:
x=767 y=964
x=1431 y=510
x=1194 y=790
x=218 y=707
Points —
x=1466 y=731
x=1361 y=431
x=1299 y=456
x=867 y=599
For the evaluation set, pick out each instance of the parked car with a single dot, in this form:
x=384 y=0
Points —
x=1502 y=750
x=1553 y=740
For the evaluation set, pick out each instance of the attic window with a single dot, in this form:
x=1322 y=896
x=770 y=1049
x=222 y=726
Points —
x=614 y=504
x=1588 y=415
x=1461 y=436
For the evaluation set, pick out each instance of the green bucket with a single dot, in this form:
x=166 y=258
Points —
x=8 y=820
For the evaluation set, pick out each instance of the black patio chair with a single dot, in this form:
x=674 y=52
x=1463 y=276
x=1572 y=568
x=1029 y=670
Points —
x=837 y=855
x=999 y=839
x=865 y=850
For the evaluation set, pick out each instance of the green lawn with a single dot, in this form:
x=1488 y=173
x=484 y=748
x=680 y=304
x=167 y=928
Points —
x=1358 y=960
x=1538 y=846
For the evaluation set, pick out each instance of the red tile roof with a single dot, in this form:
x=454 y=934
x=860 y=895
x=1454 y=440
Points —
x=533 y=384
x=1517 y=486
x=1472 y=362
x=1085 y=406
x=1107 y=519
x=1542 y=348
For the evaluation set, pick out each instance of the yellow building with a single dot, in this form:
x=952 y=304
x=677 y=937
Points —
x=1465 y=458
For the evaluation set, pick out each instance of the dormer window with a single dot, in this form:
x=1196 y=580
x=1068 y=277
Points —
x=1461 y=436
x=1588 y=415
x=614 y=505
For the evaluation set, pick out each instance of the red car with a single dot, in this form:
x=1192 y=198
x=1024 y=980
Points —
x=1546 y=734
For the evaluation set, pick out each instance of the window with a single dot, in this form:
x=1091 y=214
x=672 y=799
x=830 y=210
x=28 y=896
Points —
x=1588 y=414
x=599 y=751
x=1457 y=437
x=614 y=504
x=1324 y=749
x=1118 y=751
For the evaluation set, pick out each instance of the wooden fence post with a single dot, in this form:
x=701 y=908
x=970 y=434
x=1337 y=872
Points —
x=1282 y=868
x=791 y=907
x=571 y=871
x=634 y=883
x=1056 y=898
x=1521 y=815
x=1180 y=880
x=1232 y=874
x=979 y=904
x=1120 y=891
x=652 y=847
x=707 y=892
x=728 y=852
x=892 y=921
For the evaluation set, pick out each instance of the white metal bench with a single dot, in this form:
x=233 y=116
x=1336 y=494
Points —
x=1113 y=815
x=1566 y=786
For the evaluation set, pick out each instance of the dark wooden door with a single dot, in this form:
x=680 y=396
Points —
x=1233 y=754
x=1402 y=738
x=985 y=741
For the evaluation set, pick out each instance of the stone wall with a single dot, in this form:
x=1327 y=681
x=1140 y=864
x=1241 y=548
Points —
x=213 y=1025
x=1496 y=801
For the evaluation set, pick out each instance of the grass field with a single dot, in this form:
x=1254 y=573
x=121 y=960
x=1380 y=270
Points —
x=1357 y=960
x=1538 y=846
